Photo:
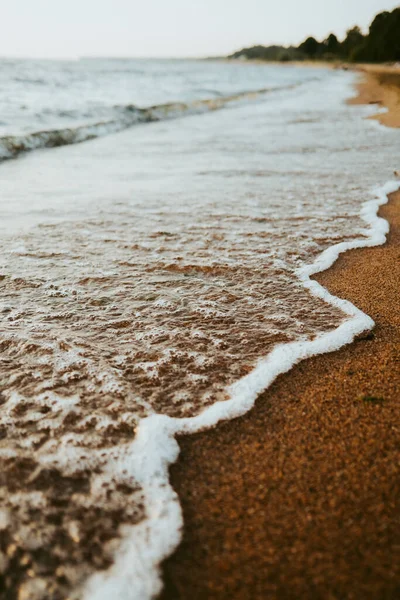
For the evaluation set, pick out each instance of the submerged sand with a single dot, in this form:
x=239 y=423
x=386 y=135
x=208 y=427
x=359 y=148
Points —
x=301 y=497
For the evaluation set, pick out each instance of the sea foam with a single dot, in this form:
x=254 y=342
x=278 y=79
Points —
x=136 y=572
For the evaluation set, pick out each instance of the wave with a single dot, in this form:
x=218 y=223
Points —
x=136 y=571
x=124 y=117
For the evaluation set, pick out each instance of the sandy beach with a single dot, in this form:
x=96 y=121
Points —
x=380 y=85
x=300 y=498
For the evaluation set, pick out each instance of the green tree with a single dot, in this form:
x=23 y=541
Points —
x=331 y=44
x=383 y=43
x=310 y=47
x=383 y=40
x=354 y=39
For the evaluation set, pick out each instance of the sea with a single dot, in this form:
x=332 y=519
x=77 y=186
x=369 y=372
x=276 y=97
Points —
x=160 y=224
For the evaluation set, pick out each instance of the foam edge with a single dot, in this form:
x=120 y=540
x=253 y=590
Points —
x=136 y=573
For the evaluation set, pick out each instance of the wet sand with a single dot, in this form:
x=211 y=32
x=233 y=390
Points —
x=380 y=85
x=301 y=497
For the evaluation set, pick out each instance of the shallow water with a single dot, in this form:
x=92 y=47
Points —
x=144 y=273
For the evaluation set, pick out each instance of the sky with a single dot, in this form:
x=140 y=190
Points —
x=171 y=28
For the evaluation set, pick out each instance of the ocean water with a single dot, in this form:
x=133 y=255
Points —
x=155 y=280
x=51 y=103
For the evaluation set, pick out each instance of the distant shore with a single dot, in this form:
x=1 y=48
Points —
x=328 y=64
x=300 y=498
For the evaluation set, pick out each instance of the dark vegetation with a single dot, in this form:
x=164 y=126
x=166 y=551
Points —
x=380 y=44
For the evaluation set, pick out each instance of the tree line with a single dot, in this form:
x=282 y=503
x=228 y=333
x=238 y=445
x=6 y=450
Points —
x=380 y=44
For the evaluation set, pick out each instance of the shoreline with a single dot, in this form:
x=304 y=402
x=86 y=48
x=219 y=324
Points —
x=289 y=516
x=365 y=68
x=380 y=85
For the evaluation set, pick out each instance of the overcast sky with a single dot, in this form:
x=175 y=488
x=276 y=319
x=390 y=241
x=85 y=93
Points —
x=70 y=28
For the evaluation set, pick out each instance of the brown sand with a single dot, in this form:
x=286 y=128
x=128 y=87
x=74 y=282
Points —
x=380 y=85
x=301 y=497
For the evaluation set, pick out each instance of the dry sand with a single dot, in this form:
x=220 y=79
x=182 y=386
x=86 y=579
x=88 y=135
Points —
x=301 y=497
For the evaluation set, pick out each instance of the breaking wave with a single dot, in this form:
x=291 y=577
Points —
x=124 y=117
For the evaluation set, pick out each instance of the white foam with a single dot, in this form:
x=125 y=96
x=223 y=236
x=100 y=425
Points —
x=136 y=572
